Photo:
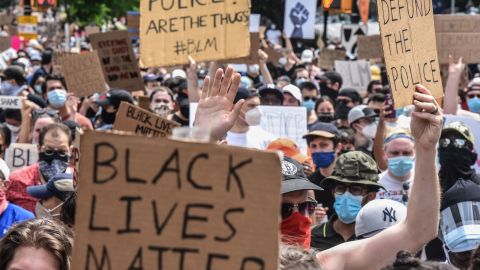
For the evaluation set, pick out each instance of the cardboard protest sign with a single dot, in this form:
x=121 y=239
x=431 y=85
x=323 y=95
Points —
x=356 y=74
x=133 y=23
x=139 y=121
x=165 y=204
x=208 y=30
x=456 y=23
x=28 y=27
x=6 y=19
x=5 y=43
x=254 y=47
x=350 y=34
x=327 y=58
x=83 y=73
x=19 y=155
x=143 y=102
x=409 y=48
x=299 y=19
x=11 y=102
x=369 y=47
x=90 y=30
x=118 y=61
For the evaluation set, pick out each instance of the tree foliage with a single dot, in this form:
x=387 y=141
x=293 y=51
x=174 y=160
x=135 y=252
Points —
x=96 y=12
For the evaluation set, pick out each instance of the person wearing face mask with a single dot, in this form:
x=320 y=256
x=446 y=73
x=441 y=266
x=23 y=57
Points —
x=161 y=102
x=362 y=120
x=109 y=103
x=151 y=82
x=399 y=151
x=301 y=76
x=55 y=92
x=182 y=114
x=291 y=96
x=52 y=195
x=353 y=184
x=37 y=85
x=274 y=35
x=346 y=100
x=325 y=109
x=9 y=212
x=330 y=84
x=13 y=78
x=460 y=222
x=13 y=121
x=247 y=131
x=296 y=207
x=310 y=96
x=473 y=96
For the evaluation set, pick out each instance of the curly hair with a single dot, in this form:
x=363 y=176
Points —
x=405 y=261
x=46 y=234
x=296 y=258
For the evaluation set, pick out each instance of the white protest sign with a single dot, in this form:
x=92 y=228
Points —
x=9 y=54
x=299 y=19
x=254 y=23
x=355 y=74
x=474 y=126
x=350 y=34
x=10 y=102
x=19 y=155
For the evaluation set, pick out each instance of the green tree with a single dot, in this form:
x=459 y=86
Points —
x=88 y=11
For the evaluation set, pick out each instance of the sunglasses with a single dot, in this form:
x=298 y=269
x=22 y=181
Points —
x=355 y=190
x=455 y=142
x=304 y=208
x=59 y=153
x=310 y=98
x=473 y=96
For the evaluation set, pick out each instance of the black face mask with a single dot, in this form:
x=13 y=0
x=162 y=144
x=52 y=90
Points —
x=325 y=117
x=455 y=163
x=50 y=156
x=185 y=110
x=341 y=111
x=108 y=118
x=329 y=92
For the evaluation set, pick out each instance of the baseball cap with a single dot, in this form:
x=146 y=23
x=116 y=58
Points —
x=179 y=73
x=114 y=97
x=294 y=91
x=351 y=93
x=460 y=128
x=284 y=78
x=321 y=129
x=289 y=149
x=377 y=215
x=294 y=178
x=13 y=72
x=243 y=93
x=307 y=56
x=270 y=88
x=36 y=57
x=376 y=73
x=358 y=112
x=4 y=169
x=59 y=186
x=354 y=167
x=152 y=78
x=332 y=76
x=474 y=84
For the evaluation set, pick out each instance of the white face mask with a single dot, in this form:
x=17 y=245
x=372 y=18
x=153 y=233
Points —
x=253 y=117
x=161 y=110
x=370 y=130
x=42 y=212
x=254 y=69
x=282 y=61
x=13 y=128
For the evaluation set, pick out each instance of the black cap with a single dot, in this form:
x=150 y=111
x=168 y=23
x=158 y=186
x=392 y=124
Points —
x=114 y=97
x=332 y=76
x=242 y=93
x=320 y=129
x=272 y=89
x=351 y=93
x=14 y=72
x=294 y=178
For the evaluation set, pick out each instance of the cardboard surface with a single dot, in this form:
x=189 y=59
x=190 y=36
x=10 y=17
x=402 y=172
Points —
x=355 y=74
x=369 y=47
x=5 y=43
x=6 y=19
x=118 y=61
x=409 y=48
x=192 y=204
x=90 y=30
x=19 y=155
x=142 y=122
x=457 y=23
x=299 y=19
x=83 y=73
x=253 y=56
x=273 y=55
x=213 y=30
x=458 y=45
x=11 y=102
x=327 y=58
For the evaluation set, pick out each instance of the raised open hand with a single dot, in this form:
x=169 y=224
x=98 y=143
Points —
x=216 y=111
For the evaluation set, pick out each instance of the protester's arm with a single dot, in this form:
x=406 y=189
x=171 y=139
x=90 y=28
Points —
x=23 y=136
x=88 y=102
x=288 y=42
x=216 y=111
x=192 y=81
x=455 y=70
x=378 y=153
x=263 y=58
x=421 y=224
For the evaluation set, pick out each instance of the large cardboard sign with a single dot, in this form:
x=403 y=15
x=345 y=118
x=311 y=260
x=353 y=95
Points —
x=5 y=43
x=28 y=27
x=356 y=74
x=19 y=155
x=164 y=204
x=11 y=102
x=254 y=47
x=83 y=73
x=327 y=58
x=206 y=30
x=118 y=60
x=456 y=23
x=369 y=47
x=139 y=121
x=299 y=19
x=409 y=48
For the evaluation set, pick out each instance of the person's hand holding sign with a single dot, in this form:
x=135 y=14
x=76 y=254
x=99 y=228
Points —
x=216 y=111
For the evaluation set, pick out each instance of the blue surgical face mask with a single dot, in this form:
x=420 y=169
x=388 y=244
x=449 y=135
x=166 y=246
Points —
x=300 y=81
x=400 y=166
x=323 y=159
x=56 y=98
x=463 y=239
x=399 y=112
x=474 y=105
x=9 y=89
x=309 y=104
x=38 y=89
x=347 y=207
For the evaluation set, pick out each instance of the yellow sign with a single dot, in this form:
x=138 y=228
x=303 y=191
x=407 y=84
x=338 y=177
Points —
x=170 y=31
x=28 y=27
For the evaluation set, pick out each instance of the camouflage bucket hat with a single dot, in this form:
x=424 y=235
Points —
x=354 y=168
x=461 y=129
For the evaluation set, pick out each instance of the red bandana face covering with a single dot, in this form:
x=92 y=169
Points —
x=296 y=230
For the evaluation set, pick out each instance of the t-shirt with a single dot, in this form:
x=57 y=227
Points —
x=255 y=137
x=12 y=215
x=19 y=181
x=394 y=188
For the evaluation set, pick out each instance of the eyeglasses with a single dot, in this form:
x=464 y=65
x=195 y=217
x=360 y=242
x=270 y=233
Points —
x=303 y=208
x=355 y=190
x=53 y=152
x=310 y=98
x=455 y=142
x=473 y=95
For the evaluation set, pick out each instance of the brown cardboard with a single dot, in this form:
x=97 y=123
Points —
x=139 y=199
x=273 y=55
x=142 y=122
x=327 y=58
x=119 y=64
x=254 y=47
x=459 y=45
x=90 y=30
x=5 y=43
x=83 y=73
x=413 y=60
x=369 y=47
x=168 y=35
x=457 y=23
x=463 y=78
x=6 y=19
x=143 y=102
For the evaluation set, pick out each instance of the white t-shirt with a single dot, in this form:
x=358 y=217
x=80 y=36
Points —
x=255 y=137
x=394 y=188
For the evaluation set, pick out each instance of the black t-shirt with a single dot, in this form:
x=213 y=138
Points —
x=324 y=236
x=324 y=197
x=184 y=123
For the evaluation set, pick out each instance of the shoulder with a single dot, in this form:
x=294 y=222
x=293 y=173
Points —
x=26 y=175
x=20 y=212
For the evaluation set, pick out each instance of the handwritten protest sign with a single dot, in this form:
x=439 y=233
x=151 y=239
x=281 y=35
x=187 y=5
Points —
x=19 y=155
x=205 y=30
x=409 y=48
x=118 y=61
x=28 y=27
x=140 y=121
x=299 y=18
x=164 y=204
x=327 y=58
x=90 y=30
x=10 y=102
x=369 y=47
x=350 y=34
x=83 y=73
x=356 y=74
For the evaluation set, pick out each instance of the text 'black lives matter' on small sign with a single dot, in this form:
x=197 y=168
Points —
x=164 y=204
x=409 y=47
x=170 y=31
x=118 y=61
